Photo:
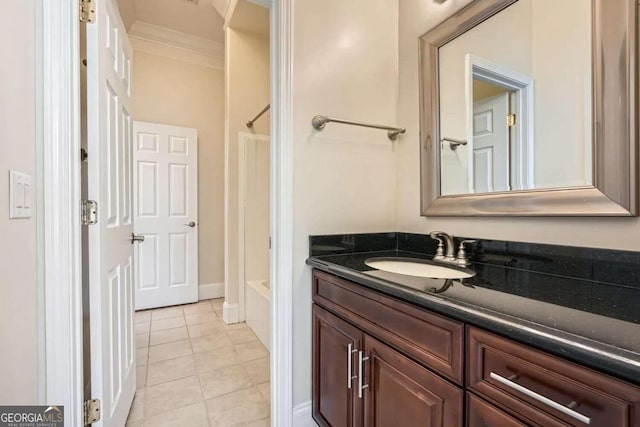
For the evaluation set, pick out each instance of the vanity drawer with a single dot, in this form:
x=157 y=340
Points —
x=537 y=385
x=483 y=414
x=430 y=339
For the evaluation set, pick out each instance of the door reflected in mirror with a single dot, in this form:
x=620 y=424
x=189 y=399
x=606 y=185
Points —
x=516 y=101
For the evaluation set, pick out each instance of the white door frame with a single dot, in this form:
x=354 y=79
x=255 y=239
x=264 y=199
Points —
x=59 y=239
x=243 y=137
x=281 y=213
x=523 y=85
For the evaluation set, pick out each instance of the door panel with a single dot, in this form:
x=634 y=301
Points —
x=491 y=162
x=400 y=392
x=335 y=400
x=113 y=371
x=166 y=195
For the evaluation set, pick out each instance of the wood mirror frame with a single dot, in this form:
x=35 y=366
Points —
x=614 y=121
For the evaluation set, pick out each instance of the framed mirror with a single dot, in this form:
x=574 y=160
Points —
x=530 y=108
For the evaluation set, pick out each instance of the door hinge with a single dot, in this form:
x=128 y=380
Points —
x=511 y=120
x=91 y=411
x=87 y=11
x=89 y=212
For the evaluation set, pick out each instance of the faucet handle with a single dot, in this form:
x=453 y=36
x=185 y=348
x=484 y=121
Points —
x=462 y=258
x=440 y=250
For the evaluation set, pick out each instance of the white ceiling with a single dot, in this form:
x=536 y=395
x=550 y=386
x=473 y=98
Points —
x=198 y=19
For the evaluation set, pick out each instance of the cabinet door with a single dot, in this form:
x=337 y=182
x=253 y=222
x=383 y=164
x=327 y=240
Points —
x=483 y=414
x=335 y=346
x=399 y=392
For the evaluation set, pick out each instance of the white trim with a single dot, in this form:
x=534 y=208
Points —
x=230 y=313
x=524 y=87
x=281 y=270
x=210 y=291
x=242 y=190
x=61 y=233
x=176 y=45
x=302 y=416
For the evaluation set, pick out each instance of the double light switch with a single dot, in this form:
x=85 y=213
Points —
x=19 y=195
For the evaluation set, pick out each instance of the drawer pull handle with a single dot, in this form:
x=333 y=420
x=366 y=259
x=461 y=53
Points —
x=540 y=398
x=361 y=386
x=351 y=377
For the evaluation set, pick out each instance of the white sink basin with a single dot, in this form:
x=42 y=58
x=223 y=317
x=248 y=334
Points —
x=419 y=268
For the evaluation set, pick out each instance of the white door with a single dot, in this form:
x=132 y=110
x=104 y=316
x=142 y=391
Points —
x=166 y=214
x=113 y=373
x=491 y=144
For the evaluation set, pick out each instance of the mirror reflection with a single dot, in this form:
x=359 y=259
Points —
x=516 y=101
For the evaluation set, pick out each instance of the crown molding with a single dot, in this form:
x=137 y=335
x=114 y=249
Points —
x=176 y=45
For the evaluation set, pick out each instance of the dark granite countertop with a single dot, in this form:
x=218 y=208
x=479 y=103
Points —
x=580 y=320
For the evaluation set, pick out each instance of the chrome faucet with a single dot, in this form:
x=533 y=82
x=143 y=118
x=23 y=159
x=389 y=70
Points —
x=446 y=249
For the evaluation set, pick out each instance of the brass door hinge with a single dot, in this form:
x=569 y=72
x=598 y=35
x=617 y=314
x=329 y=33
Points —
x=89 y=212
x=91 y=411
x=511 y=120
x=87 y=11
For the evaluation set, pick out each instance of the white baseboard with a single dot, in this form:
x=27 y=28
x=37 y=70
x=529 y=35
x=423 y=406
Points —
x=230 y=313
x=210 y=291
x=302 y=416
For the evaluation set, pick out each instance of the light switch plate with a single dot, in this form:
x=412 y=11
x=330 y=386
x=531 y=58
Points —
x=19 y=195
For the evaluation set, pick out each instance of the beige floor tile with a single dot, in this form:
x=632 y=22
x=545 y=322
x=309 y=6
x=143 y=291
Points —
x=265 y=422
x=234 y=326
x=204 y=329
x=265 y=391
x=141 y=377
x=172 y=350
x=198 y=308
x=171 y=369
x=168 y=335
x=258 y=370
x=194 y=415
x=142 y=355
x=200 y=318
x=217 y=303
x=166 y=313
x=251 y=351
x=170 y=323
x=219 y=313
x=137 y=407
x=143 y=316
x=142 y=327
x=218 y=339
x=212 y=360
x=237 y=408
x=172 y=395
x=224 y=381
x=137 y=423
x=242 y=335
x=142 y=340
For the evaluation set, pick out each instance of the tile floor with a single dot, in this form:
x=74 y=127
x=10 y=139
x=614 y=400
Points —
x=193 y=370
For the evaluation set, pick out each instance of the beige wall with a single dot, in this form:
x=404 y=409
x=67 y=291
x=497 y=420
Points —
x=183 y=94
x=345 y=64
x=18 y=295
x=417 y=17
x=247 y=92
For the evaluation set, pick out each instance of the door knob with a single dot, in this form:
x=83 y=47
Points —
x=191 y=224
x=135 y=238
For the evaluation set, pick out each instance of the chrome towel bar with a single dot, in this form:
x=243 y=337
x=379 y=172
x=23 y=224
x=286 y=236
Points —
x=252 y=121
x=319 y=123
x=454 y=143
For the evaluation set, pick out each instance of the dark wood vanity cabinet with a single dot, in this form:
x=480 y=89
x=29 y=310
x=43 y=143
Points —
x=358 y=380
x=378 y=361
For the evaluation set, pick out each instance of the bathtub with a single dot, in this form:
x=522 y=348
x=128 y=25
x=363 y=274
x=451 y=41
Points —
x=258 y=310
